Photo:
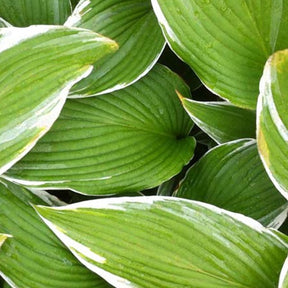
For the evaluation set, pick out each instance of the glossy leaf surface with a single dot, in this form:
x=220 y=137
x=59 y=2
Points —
x=222 y=121
x=23 y=13
x=168 y=242
x=283 y=281
x=41 y=64
x=226 y=42
x=133 y=25
x=272 y=120
x=126 y=141
x=231 y=176
x=34 y=257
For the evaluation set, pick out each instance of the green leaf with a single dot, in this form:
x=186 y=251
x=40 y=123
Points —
x=203 y=139
x=167 y=188
x=41 y=64
x=283 y=281
x=133 y=25
x=168 y=242
x=231 y=176
x=127 y=141
x=222 y=121
x=34 y=257
x=272 y=120
x=226 y=42
x=169 y=59
x=28 y=12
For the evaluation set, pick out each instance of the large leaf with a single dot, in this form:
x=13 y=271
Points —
x=133 y=25
x=126 y=141
x=226 y=42
x=41 y=64
x=222 y=121
x=34 y=257
x=231 y=176
x=272 y=120
x=168 y=242
x=28 y=12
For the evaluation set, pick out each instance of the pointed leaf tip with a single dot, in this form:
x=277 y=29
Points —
x=168 y=242
x=180 y=96
x=222 y=121
x=31 y=99
x=134 y=26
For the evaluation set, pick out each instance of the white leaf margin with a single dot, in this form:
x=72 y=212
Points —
x=283 y=275
x=266 y=100
x=81 y=252
x=9 y=38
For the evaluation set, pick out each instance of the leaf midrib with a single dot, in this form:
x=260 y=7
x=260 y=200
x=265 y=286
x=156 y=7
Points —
x=167 y=134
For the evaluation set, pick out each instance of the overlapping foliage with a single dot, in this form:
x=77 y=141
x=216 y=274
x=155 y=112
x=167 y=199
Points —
x=195 y=186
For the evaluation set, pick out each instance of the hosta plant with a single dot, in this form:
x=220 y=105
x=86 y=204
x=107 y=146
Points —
x=143 y=143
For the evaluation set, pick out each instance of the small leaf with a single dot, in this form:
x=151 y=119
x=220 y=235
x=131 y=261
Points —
x=168 y=242
x=170 y=59
x=127 y=141
x=41 y=64
x=272 y=120
x=231 y=176
x=133 y=25
x=203 y=139
x=225 y=42
x=222 y=121
x=167 y=188
x=23 y=13
x=34 y=257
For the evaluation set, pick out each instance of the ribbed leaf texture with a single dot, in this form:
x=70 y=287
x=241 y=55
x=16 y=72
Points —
x=126 y=141
x=133 y=25
x=231 y=176
x=41 y=64
x=168 y=242
x=222 y=121
x=33 y=256
x=22 y=13
x=226 y=42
